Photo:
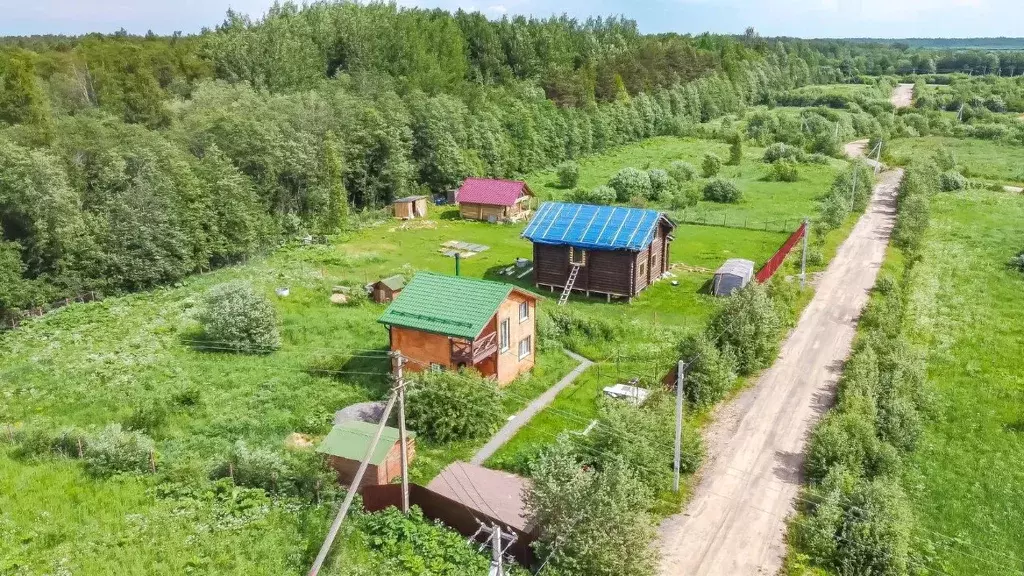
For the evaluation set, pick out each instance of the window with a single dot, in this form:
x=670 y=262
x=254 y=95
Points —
x=525 y=347
x=643 y=268
x=577 y=256
x=503 y=335
x=524 y=311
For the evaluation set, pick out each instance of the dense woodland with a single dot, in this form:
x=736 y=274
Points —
x=129 y=162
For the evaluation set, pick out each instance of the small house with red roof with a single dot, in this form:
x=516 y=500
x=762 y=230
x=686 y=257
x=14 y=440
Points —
x=494 y=200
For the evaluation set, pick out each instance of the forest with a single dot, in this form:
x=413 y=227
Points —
x=130 y=162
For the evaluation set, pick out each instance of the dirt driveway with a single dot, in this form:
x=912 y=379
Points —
x=736 y=522
x=903 y=95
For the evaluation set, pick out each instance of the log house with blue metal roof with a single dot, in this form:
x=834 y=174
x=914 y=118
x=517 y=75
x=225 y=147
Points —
x=611 y=250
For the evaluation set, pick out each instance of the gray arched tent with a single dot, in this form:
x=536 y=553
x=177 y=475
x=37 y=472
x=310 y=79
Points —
x=733 y=275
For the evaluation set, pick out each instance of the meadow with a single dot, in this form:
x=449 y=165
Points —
x=965 y=302
x=982 y=159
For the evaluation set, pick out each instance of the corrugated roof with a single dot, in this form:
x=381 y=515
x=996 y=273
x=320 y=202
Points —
x=409 y=199
x=490 y=191
x=451 y=305
x=352 y=438
x=395 y=282
x=737 y=267
x=594 y=227
x=489 y=492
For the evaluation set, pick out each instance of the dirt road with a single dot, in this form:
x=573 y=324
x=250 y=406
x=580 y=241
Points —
x=903 y=95
x=735 y=524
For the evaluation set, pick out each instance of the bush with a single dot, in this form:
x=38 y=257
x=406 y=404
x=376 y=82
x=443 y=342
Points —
x=253 y=467
x=736 y=149
x=681 y=171
x=233 y=315
x=630 y=182
x=662 y=185
x=723 y=191
x=115 y=450
x=783 y=171
x=401 y=542
x=568 y=174
x=780 y=151
x=951 y=181
x=686 y=197
x=834 y=210
x=711 y=373
x=749 y=324
x=601 y=195
x=450 y=406
x=886 y=284
x=147 y=416
x=711 y=165
x=818 y=158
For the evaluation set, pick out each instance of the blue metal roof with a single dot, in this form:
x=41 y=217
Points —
x=593 y=227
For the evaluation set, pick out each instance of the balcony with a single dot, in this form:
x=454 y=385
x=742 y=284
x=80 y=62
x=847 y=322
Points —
x=472 y=353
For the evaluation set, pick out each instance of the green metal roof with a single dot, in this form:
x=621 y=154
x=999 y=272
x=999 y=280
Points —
x=450 y=305
x=351 y=438
x=395 y=282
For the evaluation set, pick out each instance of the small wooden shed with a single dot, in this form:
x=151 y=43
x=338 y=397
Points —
x=411 y=207
x=346 y=445
x=385 y=289
x=494 y=200
x=731 y=276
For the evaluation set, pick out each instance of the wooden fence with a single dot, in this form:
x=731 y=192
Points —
x=452 y=513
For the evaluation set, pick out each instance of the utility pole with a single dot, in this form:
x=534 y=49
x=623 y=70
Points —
x=336 y=525
x=803 y=258
x=497 y=568
x=680 y=379
x=398 y=361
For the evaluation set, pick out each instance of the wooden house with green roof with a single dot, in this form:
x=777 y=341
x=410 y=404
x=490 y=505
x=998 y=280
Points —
x=346 y=445
x=446 y=322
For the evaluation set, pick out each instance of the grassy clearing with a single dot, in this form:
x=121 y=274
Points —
x=966 y=303
x=762 y=200
x=976 y=158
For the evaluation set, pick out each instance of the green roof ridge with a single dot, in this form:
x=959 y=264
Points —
x=451 y=305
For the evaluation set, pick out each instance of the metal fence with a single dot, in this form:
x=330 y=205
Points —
x=773 y=263
x=732 y=221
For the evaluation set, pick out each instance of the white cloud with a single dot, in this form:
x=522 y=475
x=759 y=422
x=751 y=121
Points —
x=497 y=9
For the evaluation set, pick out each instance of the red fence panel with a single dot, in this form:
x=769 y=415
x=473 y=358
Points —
x=773 y=263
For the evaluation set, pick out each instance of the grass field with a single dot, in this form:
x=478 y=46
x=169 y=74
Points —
x=968 y=482
x=93 y=364
x=976 y=158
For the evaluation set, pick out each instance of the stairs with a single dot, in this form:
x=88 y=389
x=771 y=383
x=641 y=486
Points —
x=568 y=284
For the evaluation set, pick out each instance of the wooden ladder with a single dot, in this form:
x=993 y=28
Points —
x=568 y=284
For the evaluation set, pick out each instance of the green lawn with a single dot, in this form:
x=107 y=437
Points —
x=93 y=364
x=966 y=303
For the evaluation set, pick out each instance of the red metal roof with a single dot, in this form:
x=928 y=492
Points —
x=491 y=192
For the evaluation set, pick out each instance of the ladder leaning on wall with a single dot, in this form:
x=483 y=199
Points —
x=568 y=284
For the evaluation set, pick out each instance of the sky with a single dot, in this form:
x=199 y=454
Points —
x=803 y=18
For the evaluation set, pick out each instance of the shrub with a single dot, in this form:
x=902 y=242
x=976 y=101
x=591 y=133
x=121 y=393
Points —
x=147 y=416
x=886 y=284
x=780 y=151
x=630 y=182
x=736 y=149
x=681 y=171
x=783 y=171
x=114 y=450
x=817 y=158
x=749 y=324
x=711 y=373
x=574 y=506
x=233 y=315
x=834 y=210
x=602 y=195
x=843 y=439
x=724 y=191
x=662 y=186
x=253 y=467
x=401 y=542
x=451 y=406
x=686 y=197
x=913 y=213
x=711 y=165
x=568 y=174
x=951 y=181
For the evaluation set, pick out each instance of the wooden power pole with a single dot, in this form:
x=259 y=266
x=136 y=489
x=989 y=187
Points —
x=680 y=378
x=398 y=361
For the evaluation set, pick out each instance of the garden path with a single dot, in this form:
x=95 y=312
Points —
x=735 y=524
x=519 y=420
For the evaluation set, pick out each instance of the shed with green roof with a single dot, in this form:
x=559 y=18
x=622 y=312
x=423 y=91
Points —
x=346 y=445
x=448 y=322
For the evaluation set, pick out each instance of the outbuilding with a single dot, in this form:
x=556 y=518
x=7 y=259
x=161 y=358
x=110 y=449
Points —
x=493 y=200
x=346 y=445
x=731 y=276
x=385 y=289
x=411 y=207
x=608 y=250
x=444 y=322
